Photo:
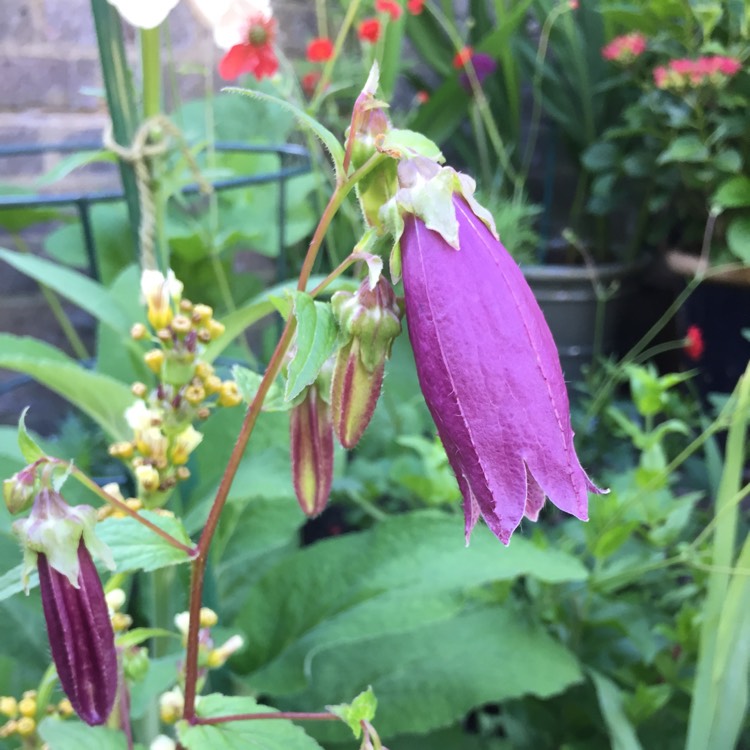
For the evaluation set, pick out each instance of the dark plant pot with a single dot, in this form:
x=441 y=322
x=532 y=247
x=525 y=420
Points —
x=722 y=312
x=584 y=307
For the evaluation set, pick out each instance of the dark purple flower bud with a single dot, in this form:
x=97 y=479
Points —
x=483 y=64
x=81 y=637
x=372 y=319
x=311 y=447
x=486 y=361
x=57 y=538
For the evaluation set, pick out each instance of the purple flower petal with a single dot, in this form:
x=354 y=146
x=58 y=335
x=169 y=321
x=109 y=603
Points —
x=484 y=65
x=81 y=637
x=491 y=376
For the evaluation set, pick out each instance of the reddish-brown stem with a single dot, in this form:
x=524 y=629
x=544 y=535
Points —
x=290 y=715
x=274 y=366
x=115 y=502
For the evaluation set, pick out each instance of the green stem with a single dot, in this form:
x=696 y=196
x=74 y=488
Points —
x=152 y=106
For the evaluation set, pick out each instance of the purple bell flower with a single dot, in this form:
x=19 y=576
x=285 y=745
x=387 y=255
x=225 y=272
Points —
x=487 y=364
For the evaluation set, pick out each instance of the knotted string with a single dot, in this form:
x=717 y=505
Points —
x=140 y=151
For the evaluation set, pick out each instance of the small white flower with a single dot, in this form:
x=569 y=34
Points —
x=145 y=14
x=182 y=622
x=138 y=416
x=231 y=19
x=162 y=742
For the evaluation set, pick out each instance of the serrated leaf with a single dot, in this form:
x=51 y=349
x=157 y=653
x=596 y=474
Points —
x=326 y=137
x=28 y=446
x=74 y=735
x=362 y=708
x=241 y=735
x=317 y=333
x=136 y=547
x=248 y=381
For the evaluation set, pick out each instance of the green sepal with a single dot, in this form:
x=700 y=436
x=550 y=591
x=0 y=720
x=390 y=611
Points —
x=362 y=708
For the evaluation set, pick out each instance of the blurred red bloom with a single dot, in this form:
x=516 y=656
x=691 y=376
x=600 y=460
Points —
x=573 y=4
x=369 y=30
x=254 y=56
x=422 y=97
x=462 y=57
x=684 y=72
x=309 y=82
x=694 y=345
x=415 y=7
x=391 y=7
x=320 y=49
x=625 y=48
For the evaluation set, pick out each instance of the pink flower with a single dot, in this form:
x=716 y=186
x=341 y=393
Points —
x=391 y=7
x=626 y=48
x=660 y=77
x=728 y=66
x=714 y=69
x=255 y=55
x=415 y=7
x=320 y=49
x=486 y=361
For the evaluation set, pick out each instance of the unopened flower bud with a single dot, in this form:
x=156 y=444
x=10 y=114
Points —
x=212 y=384
x=26 y=726
x=147 y=477
x=139 y=390
x=230 y=394
x=182 y=324
x=208 y=618
x=182 y=473
x=122 y=450
x=186 y=306
x=184 y=444
x=27 y=706
x=160 y=292
x=58 y=538
x=135 y=663
x=202 y=313
x=171 y=705
x=121 y=622
x=138 y=331
x=162 y=742
x=311 y=446
x=154 y=361
x=372 y=319
x=65 y=708
x=194 y=394
x=18 y=491
x=215 y=328
x=115 y=599
x=8 y=706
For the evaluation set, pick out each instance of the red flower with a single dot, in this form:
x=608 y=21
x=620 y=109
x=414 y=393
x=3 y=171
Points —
x=422 y=97
x=369 y=30
x=309 y=82
x=254 y=56
x=694 y=345
x=462 y=57
x=320 y=49
x=415 y=7
x=573 y=4
x=391 y=7
x=624 y=49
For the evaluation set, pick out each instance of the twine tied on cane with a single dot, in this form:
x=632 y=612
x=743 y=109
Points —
x=140 y=151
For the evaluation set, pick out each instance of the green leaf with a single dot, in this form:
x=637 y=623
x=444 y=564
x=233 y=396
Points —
x=248 y=381
x=733 y=193
x=74 y=735
x=79 y=289
x=136 y=547
x=29 y=448
x=317 y=333
x=728 y=161
x=138 y=635
x=11 y=583
x=362 y=708
x=738 y=237
x=241 y=735
x=104 y=399
x=688 y=148
x=409 y=143
x=326 y=137
x=610 y=697
x=401 y=591
x=71 y=162
x=430 y=677
x=600 y=157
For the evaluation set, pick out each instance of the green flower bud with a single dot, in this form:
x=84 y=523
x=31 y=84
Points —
x=18 y=491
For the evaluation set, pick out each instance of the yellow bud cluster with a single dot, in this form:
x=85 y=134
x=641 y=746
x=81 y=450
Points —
x=121 y=622
x=21 y=714
x=8 y=706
